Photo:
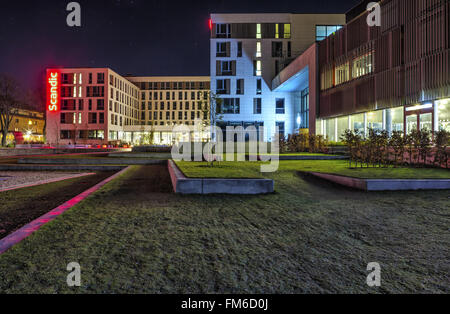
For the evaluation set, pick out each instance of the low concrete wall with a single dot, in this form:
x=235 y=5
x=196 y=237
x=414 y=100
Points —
x=183 y=185
x=386 y=184
x=90 y=161
x=60 y=168
x=309 y=157
x=51 y=151
x=141 y=155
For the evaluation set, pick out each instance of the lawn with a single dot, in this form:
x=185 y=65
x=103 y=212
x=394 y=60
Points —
x=340 y=167
x=135 y=236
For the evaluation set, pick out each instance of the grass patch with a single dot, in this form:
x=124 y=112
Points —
x=134 y=236
x=340 y=167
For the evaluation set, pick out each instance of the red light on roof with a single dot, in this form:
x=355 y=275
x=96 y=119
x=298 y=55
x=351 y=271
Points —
x=210 y=24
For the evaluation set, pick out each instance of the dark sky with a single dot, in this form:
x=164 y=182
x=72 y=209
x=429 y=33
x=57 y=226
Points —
x=139 y=37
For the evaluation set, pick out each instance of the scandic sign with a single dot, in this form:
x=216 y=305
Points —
x=53 y=90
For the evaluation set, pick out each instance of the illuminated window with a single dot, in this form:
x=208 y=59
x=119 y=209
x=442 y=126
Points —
x=258 y=31
x=81 y=79
x=258 y=50
x=277 y=31
x=323 y=31
x=362 y=65
x=75 y=78
x=80 y=92
x=257 y=68
x=79 y=118
x=342 y=73
x=287 y=31
x=74 y=91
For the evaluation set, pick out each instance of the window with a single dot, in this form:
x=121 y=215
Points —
x=90 y=78
x=92 y=118
x=100 y=78
x=280 y=126
x=277 y=49
x=280 y=106
x=258 y=87
x=257 y=106
x=287 y=31
x=342 y=73
x=230 y=106
x=323 y=31
x=100 y=104
x=223 y=30
x=258 y=31
x=222 y=50
x=362 y=65
x=240 y=86
x=80 y=105
x=304 y=109
x=277 y=30
x=226 y=68
x=257 y=69
x=101 y=118
x=258 y=50
x=289 y=51
x=223 y=87
x=239 y=49
x=62 y=118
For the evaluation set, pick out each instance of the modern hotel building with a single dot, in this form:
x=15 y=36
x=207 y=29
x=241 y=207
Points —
x=393 y=77
x=99 y=106
x=248 y=51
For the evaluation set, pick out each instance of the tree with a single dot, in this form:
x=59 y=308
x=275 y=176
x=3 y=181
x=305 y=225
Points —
x=213 y=110
x=9 y=103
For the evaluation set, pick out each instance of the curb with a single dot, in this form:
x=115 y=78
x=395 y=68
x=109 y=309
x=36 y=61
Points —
x=86 y=162
x=24 y=232
x=24 y=167
x=26 y=185
x=380 y=185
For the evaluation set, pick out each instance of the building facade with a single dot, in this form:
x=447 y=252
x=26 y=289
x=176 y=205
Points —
x=26 y=126
x=392 y=77
x=170 y=101
x=248 y=51
x=88 y=106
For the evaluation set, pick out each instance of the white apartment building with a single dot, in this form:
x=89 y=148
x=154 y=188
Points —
x=247 y=53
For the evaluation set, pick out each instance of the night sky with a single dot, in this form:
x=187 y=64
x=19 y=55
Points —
x=139 y=37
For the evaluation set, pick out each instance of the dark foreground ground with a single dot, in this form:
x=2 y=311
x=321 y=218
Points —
x=19 y=207
x=135 y=236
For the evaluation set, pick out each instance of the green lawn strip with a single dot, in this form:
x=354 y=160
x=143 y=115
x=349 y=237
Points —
x=304 y=239
x=339 y=167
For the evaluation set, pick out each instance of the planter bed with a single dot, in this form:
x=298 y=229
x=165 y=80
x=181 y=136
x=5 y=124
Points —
x=183 y=185
x=385 y=184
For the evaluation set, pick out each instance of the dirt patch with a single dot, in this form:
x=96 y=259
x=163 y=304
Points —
x=148 y=179
x=42 y=199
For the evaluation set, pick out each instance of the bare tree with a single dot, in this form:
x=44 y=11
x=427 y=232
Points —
x=9 y=104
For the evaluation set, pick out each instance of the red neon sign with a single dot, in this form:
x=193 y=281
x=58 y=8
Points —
x=53 y=90
x=210 y=24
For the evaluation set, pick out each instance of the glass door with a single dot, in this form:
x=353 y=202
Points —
x=411 y=123
x=426 y=121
